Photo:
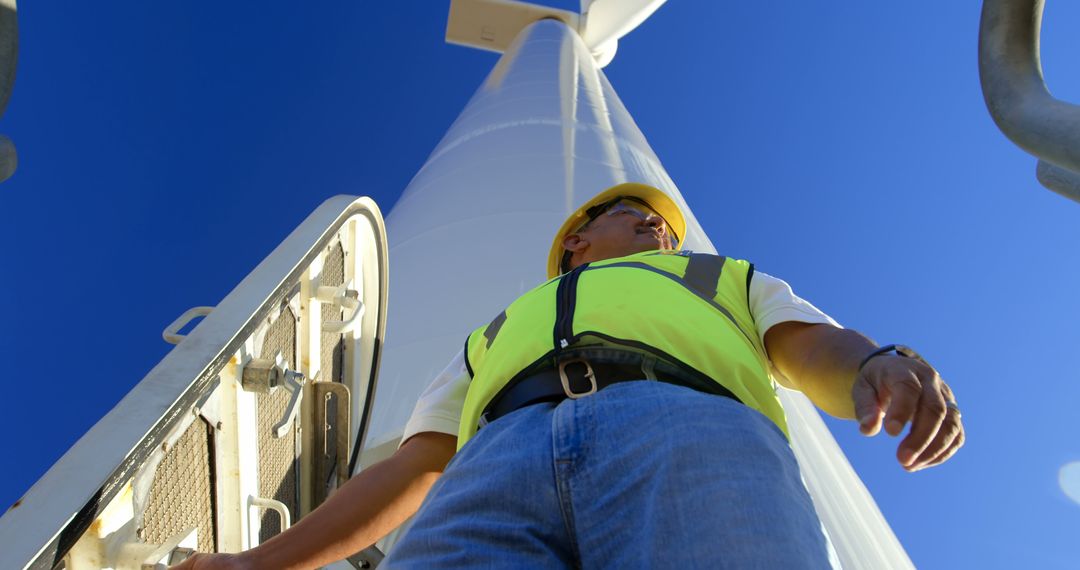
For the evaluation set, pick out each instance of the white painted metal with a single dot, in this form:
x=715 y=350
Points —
x=492 y=24
x=102 y=475
x=347 y=298
x=244 y=529
x=603 y=22
x=172 y=335
x=259 y=503
x=545 y=132
x=232 y=525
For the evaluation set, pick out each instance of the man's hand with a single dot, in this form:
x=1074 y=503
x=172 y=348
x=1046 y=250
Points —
x=821 y=360
x=364 y=509
x=214 y=562
x=895 y=390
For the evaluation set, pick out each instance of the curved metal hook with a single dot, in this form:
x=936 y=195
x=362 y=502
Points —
x=1016 y=95
x=9 y=55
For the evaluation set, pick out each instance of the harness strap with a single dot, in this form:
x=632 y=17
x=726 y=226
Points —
x=578 y=377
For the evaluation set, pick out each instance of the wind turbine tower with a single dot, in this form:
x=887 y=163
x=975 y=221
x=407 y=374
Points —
x=544 y=133
x=307 y=372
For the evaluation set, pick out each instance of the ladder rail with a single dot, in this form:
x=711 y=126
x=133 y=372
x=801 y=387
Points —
x=1016 y=95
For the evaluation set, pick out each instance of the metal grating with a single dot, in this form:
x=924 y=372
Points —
x=332 y=348
x=182 y=494
x=277 y=457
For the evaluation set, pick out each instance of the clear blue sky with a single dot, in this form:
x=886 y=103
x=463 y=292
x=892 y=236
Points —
x=165 y=148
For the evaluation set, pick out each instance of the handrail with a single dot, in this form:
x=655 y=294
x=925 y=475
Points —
x=1016 y=94
x=9 y=55
x=172 y=335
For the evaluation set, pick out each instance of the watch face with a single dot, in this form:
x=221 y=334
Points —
x=908 y=352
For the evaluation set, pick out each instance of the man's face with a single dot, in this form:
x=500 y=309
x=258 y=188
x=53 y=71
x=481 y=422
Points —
x=623 y=229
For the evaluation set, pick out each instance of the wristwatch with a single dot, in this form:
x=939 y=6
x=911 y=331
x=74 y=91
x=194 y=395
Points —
x=905 y=351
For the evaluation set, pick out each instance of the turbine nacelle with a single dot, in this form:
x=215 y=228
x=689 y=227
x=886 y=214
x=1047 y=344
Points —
x=492 y=24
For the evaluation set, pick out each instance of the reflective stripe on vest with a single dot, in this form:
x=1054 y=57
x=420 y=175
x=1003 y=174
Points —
x=689 y=309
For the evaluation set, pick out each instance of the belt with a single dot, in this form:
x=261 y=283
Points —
x=576 y=378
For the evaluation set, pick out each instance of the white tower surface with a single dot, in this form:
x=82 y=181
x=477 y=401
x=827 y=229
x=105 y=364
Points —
x=543 y=134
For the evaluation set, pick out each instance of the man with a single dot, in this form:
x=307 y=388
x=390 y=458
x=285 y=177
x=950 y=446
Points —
x=624 y=413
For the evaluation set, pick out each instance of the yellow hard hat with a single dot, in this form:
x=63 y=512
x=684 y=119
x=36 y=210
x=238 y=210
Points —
x=654 y=197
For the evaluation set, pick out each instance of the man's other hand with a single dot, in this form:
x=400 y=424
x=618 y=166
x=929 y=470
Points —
x=894 y=390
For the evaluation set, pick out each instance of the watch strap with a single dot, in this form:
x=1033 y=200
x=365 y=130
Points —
x=905 y=351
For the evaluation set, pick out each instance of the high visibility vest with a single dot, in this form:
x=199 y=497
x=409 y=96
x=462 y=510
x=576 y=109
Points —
x=689 y=309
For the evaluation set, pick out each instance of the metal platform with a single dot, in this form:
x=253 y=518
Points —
x=243 y=427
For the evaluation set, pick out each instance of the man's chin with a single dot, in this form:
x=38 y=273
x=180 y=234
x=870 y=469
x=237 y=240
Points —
x=648 y=246
x=652 y=242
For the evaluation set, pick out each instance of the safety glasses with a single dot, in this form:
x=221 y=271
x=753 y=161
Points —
x=625 y=206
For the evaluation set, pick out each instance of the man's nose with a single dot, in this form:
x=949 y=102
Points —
x=654 y=221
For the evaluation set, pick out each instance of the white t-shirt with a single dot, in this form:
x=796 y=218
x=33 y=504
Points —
x=439 y=409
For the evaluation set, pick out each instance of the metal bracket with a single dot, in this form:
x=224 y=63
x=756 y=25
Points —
x=263 y=376
x=341 y=296
x=294 y=383
x=323 y=392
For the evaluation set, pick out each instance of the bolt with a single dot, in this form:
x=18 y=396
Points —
x=219 y=425
x=165 y=446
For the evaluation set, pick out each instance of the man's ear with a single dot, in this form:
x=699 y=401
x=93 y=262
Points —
x=575 y=243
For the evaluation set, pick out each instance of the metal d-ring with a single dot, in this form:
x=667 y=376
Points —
x=566 y=381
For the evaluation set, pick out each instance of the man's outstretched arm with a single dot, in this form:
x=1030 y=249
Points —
x=365 y=509
x=822 y=362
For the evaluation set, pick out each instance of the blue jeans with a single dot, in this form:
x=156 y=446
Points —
x=640 y=475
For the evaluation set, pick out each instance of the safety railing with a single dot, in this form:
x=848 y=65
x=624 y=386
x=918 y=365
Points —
x=9 y=52
x=1017 y=97
x=254 y=409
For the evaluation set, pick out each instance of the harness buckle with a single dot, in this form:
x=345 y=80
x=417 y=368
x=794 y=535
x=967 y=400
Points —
x=566 y=381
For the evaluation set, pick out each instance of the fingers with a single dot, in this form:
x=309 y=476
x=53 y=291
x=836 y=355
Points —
x=949 y=440
x=868 y=407
x=909 y=390
x=888 y=385
x=929 y=413
x=188 y=564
